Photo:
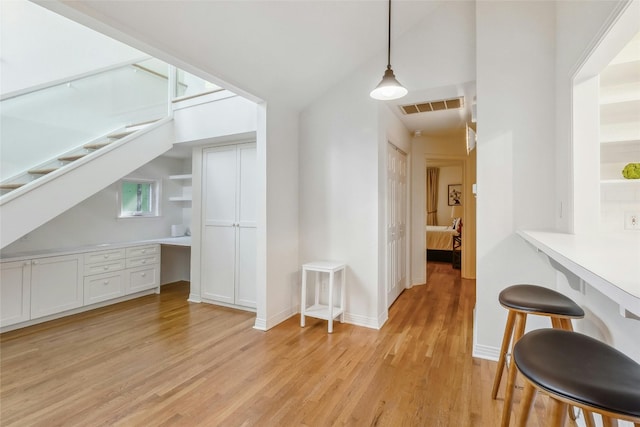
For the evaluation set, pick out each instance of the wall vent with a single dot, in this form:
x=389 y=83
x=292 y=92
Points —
x=424 y=107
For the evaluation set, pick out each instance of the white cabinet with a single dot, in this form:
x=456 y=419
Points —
x=103 y=287
x=103 y=277
x=114 y=273
x=35 y=288
x=15 y=292
x=56 y=285
x=43 y=287
x=228 y=223
x=143 y=268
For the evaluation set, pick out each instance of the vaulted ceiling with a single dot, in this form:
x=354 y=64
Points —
x=294 y=51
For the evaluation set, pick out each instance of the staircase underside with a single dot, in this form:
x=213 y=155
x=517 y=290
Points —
x=29 y=206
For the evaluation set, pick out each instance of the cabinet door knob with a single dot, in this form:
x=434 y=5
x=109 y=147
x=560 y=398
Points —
x=106 y=282
x=144 y=261
x=26 y=263
x=34 y=262
x=144 y=251
x=106 y=256
x=143 y=274
x=106 y=267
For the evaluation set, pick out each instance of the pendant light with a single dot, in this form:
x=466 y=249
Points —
x=389 y=88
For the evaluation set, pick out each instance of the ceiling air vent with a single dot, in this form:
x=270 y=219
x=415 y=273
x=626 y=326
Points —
x=423 y=107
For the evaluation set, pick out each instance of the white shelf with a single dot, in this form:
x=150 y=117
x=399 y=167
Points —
x=180 y=177
x=621 y=181
x=321 y=311
x=180 y=199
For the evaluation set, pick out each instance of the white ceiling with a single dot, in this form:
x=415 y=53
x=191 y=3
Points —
x=291 y=51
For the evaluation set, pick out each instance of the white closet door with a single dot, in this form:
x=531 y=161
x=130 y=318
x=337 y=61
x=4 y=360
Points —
x=396 y=222
x=219 y=200
x=246 y=255
x=246 y=284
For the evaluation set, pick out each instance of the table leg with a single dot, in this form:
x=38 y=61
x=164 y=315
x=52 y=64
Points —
x=342 y=293
x=303 y=299
x=331 y=274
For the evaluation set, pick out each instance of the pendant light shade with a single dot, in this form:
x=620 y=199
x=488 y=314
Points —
x=389 y=88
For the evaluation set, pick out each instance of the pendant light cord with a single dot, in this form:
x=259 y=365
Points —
x=389 y=40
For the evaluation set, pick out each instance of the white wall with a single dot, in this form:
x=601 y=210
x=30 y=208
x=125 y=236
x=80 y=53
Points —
x=39 y=46
x=585 y=20
x=94 y=221
x=278 y=238
x=339 y=197
x=342 y=144
x=588 y=21
x=515 y=153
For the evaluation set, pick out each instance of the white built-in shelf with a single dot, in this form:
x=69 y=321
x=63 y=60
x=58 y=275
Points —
x=186 y=188
x=620 y=123
x=180 y=177
x=621 y=181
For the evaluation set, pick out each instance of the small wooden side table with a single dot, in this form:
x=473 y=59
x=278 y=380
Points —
x=323 y=311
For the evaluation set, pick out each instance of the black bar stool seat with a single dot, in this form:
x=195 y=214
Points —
x=539 y=300
x=522 y=300
x=576 y=369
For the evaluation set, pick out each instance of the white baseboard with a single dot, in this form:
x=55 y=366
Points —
x=367 y=322
x=482 y=351
x=261 y=324
x=194 y=298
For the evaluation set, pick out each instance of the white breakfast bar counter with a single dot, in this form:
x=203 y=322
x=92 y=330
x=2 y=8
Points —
x=608 y=262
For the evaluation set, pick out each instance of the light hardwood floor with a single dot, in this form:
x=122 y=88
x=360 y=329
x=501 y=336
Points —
x=161 y=361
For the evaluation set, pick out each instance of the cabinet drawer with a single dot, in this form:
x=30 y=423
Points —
x=143 y=278
x=137 y=251
x=102 y=256
x=139 y=262
x=103 y=287
x=104 y=267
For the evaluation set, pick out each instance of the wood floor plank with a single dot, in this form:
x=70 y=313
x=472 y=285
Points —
x=162 y=361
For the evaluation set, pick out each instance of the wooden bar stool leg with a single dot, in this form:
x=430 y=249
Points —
x=609 y=422
x=567 y=325
x=588 y=418
x=526 y=403
x=506 y=339
x=521 y=320
x=558 y=413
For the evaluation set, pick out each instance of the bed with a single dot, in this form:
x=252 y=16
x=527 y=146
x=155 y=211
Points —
x=439 y=242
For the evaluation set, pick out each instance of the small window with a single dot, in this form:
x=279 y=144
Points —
x=138 y=198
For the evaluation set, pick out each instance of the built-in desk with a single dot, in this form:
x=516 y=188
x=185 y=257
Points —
x=43 y=285
x=608 y=262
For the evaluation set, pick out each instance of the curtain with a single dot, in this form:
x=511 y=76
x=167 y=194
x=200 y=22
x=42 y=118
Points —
x=432 y=196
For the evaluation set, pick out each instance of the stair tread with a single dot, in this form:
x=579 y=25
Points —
x=43 y=171
x=148 y=122
x=10 y=186
x=71 y=158
x=122 y=134
x=96 y=145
